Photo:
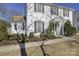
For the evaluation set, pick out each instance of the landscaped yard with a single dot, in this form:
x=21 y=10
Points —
x=70 y=47
x=61 y=48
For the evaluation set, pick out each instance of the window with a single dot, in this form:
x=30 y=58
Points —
x=39 y=26
x=77 y=19
x=66 y=13
x=78 y=27
x=38 y=8
x=15 y=25
x=54 y=10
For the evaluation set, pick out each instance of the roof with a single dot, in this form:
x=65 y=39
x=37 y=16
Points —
x=18 y=18
x=59 y=6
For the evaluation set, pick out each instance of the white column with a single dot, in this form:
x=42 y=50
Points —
x=54 y=29
x=57 y=29
x=63 y=29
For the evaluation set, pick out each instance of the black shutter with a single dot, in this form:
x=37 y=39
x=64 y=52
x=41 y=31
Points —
x=51 y=11
x=42 y=8
x=68 y=13
x=35 y=26
x=35 y=7
x=43 y=26
x=23 y=25
x=15 y=25
x=57 y=11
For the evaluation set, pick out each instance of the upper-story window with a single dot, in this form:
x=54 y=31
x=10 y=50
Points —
x=54 y=10
x=66 y=13
x=39 y=7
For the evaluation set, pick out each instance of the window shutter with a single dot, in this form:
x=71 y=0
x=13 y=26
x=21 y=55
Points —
x=68 y=13
x=15 y=25
x=57 y=11
x=35 y=26
x=42 y=8
x=43 y=26
x=35 y=7
x=51 y=10
x=23 y=25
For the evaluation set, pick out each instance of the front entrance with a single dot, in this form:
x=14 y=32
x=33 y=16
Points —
x=58 y=26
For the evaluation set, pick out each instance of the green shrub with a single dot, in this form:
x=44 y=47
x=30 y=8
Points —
x=43 y=35
x=3 y=33
x=3 y=30
x=69 y=29
x=31 y=35
x=49 y=30
x=21 y=38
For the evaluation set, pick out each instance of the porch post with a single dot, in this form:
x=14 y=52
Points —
x=57 y=29
x=63 y=29
x=54 y=28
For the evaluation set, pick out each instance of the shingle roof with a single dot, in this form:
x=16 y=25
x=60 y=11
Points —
x=17 y=18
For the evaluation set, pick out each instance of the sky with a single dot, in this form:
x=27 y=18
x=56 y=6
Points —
x=15 y=6
x=20 y=6
x=70 y=5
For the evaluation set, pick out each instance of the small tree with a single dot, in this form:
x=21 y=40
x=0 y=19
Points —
x=31 y=35
x=69 y=29
x=3 y=33
x=3 y=30
x=49 y=30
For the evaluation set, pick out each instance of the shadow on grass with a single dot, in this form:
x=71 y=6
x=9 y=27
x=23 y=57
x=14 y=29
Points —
x=41 y=46
x=22 y=49
x=22 y=46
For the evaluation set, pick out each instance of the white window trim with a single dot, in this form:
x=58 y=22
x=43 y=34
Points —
x=37 y=7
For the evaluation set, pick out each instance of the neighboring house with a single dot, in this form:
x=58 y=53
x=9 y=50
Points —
x=38 y=16
x=76 y=20
x=17 y=25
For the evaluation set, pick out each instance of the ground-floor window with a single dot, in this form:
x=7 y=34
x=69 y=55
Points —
x=19 y=26
x=78 y=27
x=38 y=26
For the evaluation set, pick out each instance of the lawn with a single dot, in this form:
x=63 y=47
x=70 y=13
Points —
x=56 y=49
x=63 y=48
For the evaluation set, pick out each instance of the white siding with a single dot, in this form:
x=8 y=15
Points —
x=45 y=17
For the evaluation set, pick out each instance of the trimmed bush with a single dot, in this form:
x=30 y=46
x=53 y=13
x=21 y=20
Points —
x=31 y=35
x=69 y=29
x=50 y=34
x=3 y=33
x=21 y=38
x=3 y=30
